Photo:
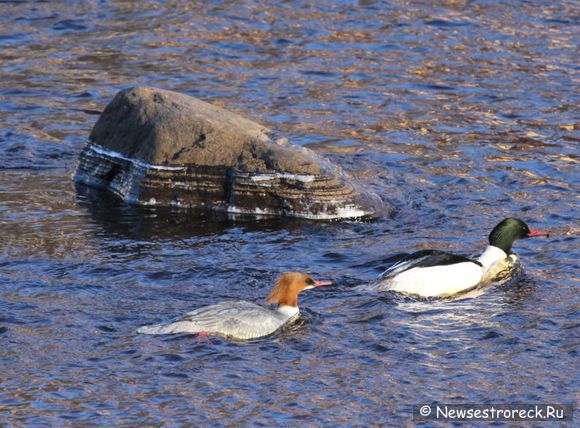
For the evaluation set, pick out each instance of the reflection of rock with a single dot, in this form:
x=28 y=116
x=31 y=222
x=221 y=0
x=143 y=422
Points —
x=152 y=146
x=146 y=224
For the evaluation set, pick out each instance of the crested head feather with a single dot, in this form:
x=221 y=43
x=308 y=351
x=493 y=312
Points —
x=280 y=288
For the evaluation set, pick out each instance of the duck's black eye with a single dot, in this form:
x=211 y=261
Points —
x=309 y=281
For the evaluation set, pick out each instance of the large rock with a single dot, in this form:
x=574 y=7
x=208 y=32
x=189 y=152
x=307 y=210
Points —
x=152 y=146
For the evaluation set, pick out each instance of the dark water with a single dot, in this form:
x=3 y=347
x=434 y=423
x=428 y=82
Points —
x=461 y=112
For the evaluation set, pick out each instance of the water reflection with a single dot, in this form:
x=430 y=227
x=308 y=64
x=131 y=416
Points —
x=142 y=223
x=152 y=223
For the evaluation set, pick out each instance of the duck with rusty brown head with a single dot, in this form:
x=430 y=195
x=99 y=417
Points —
x=243 y=320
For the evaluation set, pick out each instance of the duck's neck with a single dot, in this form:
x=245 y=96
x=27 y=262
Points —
x=288 y=311
x=491 y=255
x=502 y=238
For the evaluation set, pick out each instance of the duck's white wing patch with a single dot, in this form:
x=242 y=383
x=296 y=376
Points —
x=399 y=267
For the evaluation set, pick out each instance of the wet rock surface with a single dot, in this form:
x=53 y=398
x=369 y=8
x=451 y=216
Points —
x=152 y=146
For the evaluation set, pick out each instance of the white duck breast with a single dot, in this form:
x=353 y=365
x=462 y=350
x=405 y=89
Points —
x=236 y=319
x=491 y=256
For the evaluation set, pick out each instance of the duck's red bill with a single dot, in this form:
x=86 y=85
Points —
x=319 y=283
x=537 y=233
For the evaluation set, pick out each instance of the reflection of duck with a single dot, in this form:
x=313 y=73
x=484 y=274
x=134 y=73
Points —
x=433 y=273
x=244 y=320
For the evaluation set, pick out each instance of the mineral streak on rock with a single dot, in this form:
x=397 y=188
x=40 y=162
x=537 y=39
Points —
x=152 y=146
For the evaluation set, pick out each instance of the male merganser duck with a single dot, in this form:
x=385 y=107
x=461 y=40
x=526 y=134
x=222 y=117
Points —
x=432 y=273
x=244 y=320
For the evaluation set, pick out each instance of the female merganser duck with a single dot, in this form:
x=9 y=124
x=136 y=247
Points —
x=244 y=320
x=432 y=273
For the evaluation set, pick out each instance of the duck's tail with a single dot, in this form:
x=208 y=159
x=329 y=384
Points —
x=173 y=328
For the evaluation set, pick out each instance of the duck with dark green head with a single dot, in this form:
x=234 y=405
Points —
x=504 y=234
x=433 y=273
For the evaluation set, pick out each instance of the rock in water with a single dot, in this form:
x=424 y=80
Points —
x=152 y=146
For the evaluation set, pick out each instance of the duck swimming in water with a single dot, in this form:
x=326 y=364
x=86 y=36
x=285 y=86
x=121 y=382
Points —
x=244 y=320
x=433 y=273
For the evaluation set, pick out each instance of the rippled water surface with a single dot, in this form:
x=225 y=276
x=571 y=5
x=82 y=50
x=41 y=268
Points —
x=458 y=112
